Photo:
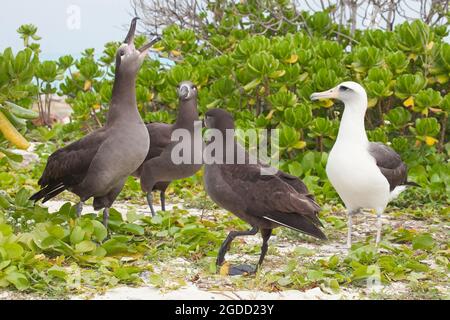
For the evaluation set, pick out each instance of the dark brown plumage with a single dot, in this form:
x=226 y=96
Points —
x=158 y=170
x=263 y=201
x=159 y=139
x=98 y=164
x=390 y=164
x=68 y=166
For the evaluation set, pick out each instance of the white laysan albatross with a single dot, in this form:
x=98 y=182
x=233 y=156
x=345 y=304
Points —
x=366 y=175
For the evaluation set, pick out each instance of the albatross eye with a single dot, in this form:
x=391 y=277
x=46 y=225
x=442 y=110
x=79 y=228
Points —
x=344 y=88
x=121 y=52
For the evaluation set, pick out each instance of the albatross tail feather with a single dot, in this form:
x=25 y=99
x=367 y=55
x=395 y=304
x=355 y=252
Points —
x=412 y=184
x=48 y=192
x=298 y=223
x=399 y=189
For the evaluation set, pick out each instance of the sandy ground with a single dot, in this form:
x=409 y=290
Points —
x=191 y=291
x=201 y=289
x=60 y=110
x=222 y=288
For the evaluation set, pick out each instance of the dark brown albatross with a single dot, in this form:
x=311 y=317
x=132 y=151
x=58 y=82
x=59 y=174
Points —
x=159 y=169
x=263 y=201
x=98 y=164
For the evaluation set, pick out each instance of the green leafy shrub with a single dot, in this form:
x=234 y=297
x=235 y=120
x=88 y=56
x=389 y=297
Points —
x=264 y=79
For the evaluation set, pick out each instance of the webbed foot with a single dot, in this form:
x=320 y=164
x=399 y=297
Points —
x=237 y=270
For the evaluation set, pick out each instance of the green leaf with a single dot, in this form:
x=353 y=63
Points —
x=85 y=246
x=156 y=279
x=100 y=232
x=19 y=280
x=113 y=246
x=77 y=235
x=295 y=169
x=22 y=197
x=5 y=229
x=133 y=228
x=57 y=231
x=334 y=285
x=315 y=275
x=13 y=250
x=4 y=264
x=47 y=71
x=423 y=241
x=57 y=272
x=20 y=111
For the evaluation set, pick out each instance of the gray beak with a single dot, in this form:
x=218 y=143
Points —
x=149 y=45
x=130 y=35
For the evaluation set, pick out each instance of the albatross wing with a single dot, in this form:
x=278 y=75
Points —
x=68 y=166
x=271 y=198
x=390 y=165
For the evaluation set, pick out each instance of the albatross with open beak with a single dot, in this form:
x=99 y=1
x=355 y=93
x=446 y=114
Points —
x=366 y=175
x=98 y=164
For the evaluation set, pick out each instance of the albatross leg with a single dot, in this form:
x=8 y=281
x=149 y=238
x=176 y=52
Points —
x=162 y=196
x=349 y=229
x=79 y=208
x=150 y=203
x=106 y=217
x=226 y=246
x=244 y=269
x=265 y=233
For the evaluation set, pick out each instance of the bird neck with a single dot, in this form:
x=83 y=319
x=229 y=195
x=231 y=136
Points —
x=227 y=148
x=123 y=102
x=352 y=129
x=187 y=114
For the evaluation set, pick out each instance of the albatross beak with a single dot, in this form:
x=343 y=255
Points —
x=144 y=49
x=130 y=35
x=329 y=94
x=183 y=91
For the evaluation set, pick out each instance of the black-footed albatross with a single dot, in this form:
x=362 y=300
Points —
x=263 y=201
x=366 y=175
x=98 y=164
x=158 y=169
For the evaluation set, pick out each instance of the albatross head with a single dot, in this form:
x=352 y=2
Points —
x=349 y=92
x=128 y=58
x=219 y=119
x=187 y=90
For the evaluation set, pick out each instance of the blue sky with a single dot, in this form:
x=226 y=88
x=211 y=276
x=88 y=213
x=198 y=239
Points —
x=100 y=21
